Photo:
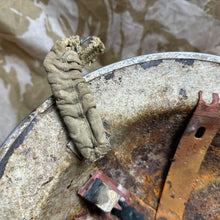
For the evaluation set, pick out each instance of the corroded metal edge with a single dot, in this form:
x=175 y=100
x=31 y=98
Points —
x=152 y=57
x=18 y=130
x=188 y=158
x=97 y=73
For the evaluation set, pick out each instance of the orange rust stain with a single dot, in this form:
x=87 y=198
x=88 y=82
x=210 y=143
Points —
x=143 y=150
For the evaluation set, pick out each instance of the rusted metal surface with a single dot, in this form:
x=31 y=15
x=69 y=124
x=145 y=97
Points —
x=145 y=104
x=106 y=193
x=117 y=188
x=189 y=155
x=203 y=202
x=103 y=192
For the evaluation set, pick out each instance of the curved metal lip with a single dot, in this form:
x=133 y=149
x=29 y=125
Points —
x=152 y=57
x=99 y=72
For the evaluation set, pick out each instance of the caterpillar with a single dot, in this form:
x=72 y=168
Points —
x=74 y=100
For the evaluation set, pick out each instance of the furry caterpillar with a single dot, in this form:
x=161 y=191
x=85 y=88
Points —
x=74 y=100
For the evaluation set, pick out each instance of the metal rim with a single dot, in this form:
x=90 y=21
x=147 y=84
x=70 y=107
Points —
x=151 y=57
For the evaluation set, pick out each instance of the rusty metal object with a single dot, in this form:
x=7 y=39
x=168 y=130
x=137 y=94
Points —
x=116 y=191
x=145 y=103
x=105 y=193
x=189 y=155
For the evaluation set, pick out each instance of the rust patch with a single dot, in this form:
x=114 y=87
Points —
x=141 y=156
x=142 y=151
x=189 y=155
x=204 y=199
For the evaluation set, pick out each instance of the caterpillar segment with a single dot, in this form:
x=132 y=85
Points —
x=74 y=100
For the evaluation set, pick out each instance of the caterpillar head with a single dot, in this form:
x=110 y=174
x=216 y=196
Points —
x=90 y=48
x=87 y=49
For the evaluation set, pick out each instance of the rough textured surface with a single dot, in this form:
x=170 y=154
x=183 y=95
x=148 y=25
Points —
x=73 y=98
x=30 y=28
x=146 y=111
x=192 y=148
